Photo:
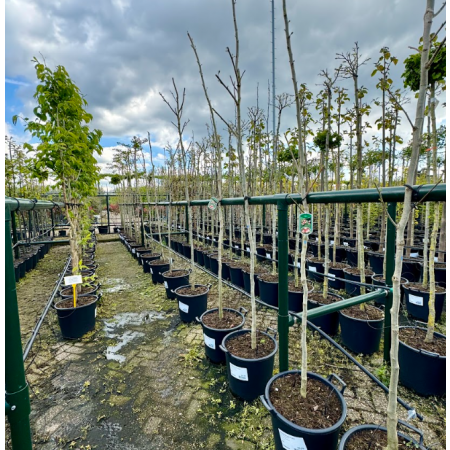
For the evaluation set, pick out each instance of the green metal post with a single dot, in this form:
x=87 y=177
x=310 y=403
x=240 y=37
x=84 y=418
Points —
x=52 y=216
x=30 y=225
x=263 y=221
x=283 y=305
x=142 y=225
x=107 y=209
x=16 y=385
x=390 y=266
x=14 y=232
x=186 y=211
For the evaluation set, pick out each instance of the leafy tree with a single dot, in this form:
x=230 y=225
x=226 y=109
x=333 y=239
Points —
x=67 y=145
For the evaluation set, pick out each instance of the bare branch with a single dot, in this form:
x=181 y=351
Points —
x=392 y=96
x=428 y=65
x=440 y=9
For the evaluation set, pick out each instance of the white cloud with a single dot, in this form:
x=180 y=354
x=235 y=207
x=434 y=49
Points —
x=19 y=83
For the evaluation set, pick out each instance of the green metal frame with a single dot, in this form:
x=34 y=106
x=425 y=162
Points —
x=389 y=195
x=17 y=400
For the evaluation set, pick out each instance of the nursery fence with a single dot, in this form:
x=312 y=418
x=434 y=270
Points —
x=389 y=195
x=17 y=401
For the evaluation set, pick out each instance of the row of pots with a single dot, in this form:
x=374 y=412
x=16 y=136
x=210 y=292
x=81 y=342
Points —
x=76 y=321
x=28 y=261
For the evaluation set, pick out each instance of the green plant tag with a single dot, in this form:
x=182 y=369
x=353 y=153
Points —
x=212 y=205
x=306 y=223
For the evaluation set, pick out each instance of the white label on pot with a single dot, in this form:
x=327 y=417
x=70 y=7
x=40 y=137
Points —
x=345 y=244
x=133 y=251
x=95 y=313
x=236 y=246
x=435 y=259
x=331 y=242
x=298 y=265
x=209 y=342
x=313 y=269
x=414 y=255
x=415 y=300
x=151 y=270
x=248 y=249
x=73 y=279
x=332 y=275
x=291 y=442
x=214 y=239
x=317 y=239
x=238 y=372
x=171 y=260
x=166 y=285
x=268 y=256
x=183 y=307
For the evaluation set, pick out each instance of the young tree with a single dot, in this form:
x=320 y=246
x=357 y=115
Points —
x=67 y=146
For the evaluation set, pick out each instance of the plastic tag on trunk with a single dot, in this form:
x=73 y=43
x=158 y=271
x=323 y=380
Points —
x=209 y=342
x=415 y=300
x=291 y=442
x=166 y=285
x=239 y=373
x=183 y=307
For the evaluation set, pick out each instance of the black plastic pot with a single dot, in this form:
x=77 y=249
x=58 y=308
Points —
x=171 y=283
x=200 y=257
x=103 y=229
x=28 y=264
x=337 y=273
x=246 y=278
x=417 y=303
x=142 y=251
x=22 y=268
x=268 y=292
x=354 y=289
x=248 y=377
x=186 y=250
x=146 y=260
x=62 y=233
x=341 y=253
x=414 y=444
x=411 y=270
x=236 y=276
x=376 y=261
x=360 y=336
x=313 y=267
x=214 y=264
x=328 y=323
x=133 y=249
x=439 y=274
x=17 y=272
x=68 y=292
x=75 y=322
x=352 y=257
x=290 y=436
x=420 y=370
x=156 y=270
x=213 y=337
x=207 y=259
x=192 y=306
x=225 y=271
x=295 y=299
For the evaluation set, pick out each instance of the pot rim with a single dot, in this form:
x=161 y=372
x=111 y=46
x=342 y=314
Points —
x=310 y=283
x=328 y=430
x=237 y=327
x=329 y=293
x=421 y=351
x=247 y=330
x=173 y=270
x=352 y=430
x=364 y=320
x=192 y=296
x=410 y=289
x=159 y=260
x=78 y=307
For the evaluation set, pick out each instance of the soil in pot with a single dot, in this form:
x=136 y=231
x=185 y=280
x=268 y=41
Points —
x=229 y=320
x=241 y=346
x=320 y=409
x=269 y=277
x=369 y=312
x=353 y=274
x=81 y=301
x=373 y=440
x=68 y=292
x=190 y=291
x=417 y=298
x=415 y=337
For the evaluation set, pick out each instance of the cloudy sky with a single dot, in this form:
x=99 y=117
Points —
x=122 y=53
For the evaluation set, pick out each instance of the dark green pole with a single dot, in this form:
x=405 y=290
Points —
x=30 y=225
x=390 y=266
x=14 y=232
x=52 y=217
x=186 y=211
x=17 y=396
x=107 y=208
x=283 y=306
x=263 y=222
x=141 y=209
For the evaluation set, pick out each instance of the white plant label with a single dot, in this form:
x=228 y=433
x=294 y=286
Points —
x=133 y=251
x=248 y=249
x=236 y=246
x=171 y=260
x=317 y=239
x=166 y=285
x=331 y=275
x=345 y=244
x=414 y=255
x=415 y=300
x=238 y=372
x=95 y=313
x=268 y=256
x=183 y=307
x=291 y=442
x=313 y=269
x=298 y=265
x=209 y=342
x=331 y=242
x=151 y=270
x=435 y=259
x=73 y=279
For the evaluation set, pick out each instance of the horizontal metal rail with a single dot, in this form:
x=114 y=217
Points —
x=24 y=204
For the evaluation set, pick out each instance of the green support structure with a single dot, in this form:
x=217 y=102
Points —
x=390 y=266
x=52 y=216
x=107 y=210
x=263 y=221
x=142 y=225
x=17 y=396
x=283 y=304
x=186 y=211
x=14 y=233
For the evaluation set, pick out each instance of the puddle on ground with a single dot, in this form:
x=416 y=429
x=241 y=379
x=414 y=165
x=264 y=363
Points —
x=116 y=285
x=113 y=330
